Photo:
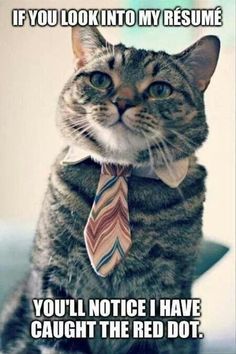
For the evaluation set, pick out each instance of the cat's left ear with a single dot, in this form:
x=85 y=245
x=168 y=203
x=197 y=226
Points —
x=85 y=41
x=200 y=60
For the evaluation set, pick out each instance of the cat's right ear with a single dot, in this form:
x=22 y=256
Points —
x=201 y=59
x=85 y=41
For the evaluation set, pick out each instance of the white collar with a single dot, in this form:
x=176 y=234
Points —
x=172 y=176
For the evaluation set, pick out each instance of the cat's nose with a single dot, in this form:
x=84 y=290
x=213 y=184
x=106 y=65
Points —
x=122 y=105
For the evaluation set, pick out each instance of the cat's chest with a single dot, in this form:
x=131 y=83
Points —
x=148 y=259
x=164 y=231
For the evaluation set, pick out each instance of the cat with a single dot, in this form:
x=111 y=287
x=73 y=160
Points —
x=123 y=106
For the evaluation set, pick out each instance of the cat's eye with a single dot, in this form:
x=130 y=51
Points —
x=159 y=90
x=100 y=80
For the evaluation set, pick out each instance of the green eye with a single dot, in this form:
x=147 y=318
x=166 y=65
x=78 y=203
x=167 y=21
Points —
x=159 y=90
x=100 y=80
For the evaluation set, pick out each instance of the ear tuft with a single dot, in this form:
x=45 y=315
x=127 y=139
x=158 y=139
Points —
x=201 y=59
x=85 y=41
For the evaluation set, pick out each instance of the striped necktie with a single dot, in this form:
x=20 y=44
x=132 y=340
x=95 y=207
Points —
x=107 y=232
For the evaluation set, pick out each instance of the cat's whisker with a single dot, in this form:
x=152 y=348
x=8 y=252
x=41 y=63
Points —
x=78 y=132
x=164 y=158
x=73 y=120
x=186 y=144
x=82 y=132
x=76 y=120
x=76 y=124
x=155 y=139
x=149 y=150
x=167 y=151
x=184 y=138
x=172 y=144
x=79 y=124
x=88 y=131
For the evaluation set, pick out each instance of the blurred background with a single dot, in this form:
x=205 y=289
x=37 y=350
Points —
x=35 y=64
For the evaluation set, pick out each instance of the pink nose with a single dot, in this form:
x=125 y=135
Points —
x=124 y=98
x=122 y=105
x=126 y=92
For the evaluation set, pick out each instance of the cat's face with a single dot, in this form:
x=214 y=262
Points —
x=127 y=105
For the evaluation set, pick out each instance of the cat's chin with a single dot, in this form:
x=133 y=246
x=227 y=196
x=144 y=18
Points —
x=120 y=139
x=120 y=144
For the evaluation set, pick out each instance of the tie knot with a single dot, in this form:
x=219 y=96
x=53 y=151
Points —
x=116 y=170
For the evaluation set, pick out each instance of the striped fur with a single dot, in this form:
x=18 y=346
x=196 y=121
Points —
x=160 y=263
x=166 y=223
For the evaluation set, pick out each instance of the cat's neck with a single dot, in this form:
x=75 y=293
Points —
x=172 y=174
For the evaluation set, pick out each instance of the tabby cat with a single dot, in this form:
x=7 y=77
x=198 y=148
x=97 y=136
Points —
x=134 y=107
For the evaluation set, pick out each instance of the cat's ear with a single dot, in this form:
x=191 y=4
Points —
x=200 y=60
x=85 y=41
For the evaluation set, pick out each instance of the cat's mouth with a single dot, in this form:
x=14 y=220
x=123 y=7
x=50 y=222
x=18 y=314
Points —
x=121 y=124
x=119 y=138
x=124 y=122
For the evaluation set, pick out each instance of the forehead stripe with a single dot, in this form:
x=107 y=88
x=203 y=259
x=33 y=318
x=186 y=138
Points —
x=123 y=58
x=149 y=60
x=155 y=69
x=111 y=63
